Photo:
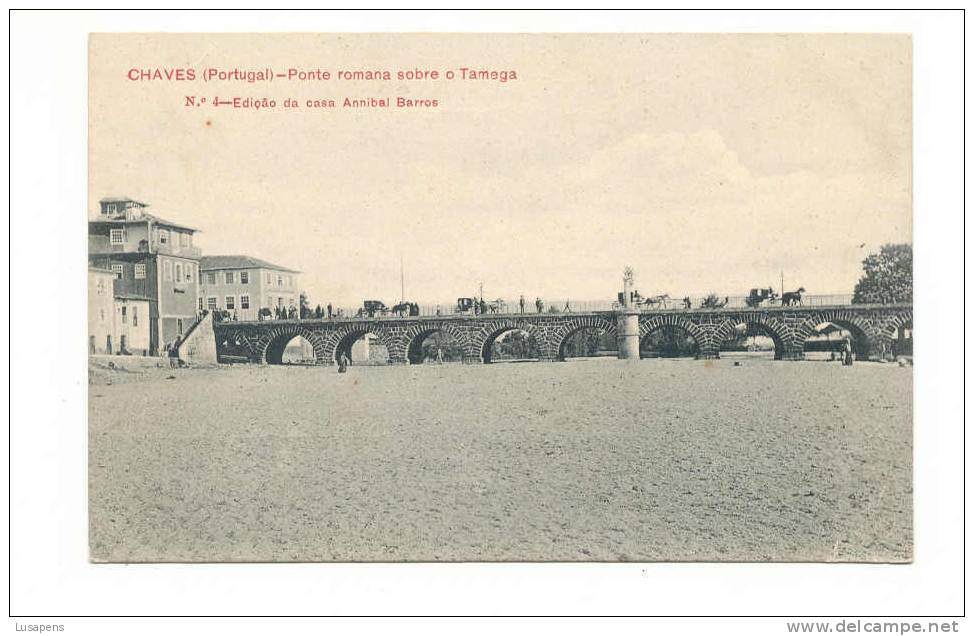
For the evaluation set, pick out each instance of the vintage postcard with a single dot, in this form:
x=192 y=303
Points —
x=500 y=297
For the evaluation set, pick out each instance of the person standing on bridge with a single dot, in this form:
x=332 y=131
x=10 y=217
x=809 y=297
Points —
x=567 y=309
x=522 y=303
x=539 y=304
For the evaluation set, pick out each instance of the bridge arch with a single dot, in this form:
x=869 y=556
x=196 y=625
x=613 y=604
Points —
x=780 y=334
x=271 y=344
x=892 y=325
x=491 y=330
x=893 y=328
x=340 y=340
x=652 y=324
x=412 y=340
x=236 y=344
x=866 y=337
x=560 y=336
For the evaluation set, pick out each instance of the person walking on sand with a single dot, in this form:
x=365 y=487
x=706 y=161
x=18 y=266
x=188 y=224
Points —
x=173 y=355
x=343 y=363
x=847 y=359
x=439 y=355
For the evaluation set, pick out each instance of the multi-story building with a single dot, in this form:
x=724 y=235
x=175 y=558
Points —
x=132 y=324
x=101 y=311
x=153 y=260
x=243 y=285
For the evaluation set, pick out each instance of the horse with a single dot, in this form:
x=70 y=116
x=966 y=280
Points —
x=497 y=306
x=402 y=309
x=660 y=300
x=792 y=298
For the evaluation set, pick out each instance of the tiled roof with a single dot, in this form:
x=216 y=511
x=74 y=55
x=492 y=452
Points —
x=101 y=218
x=162 y=221
x=239 y=261
x=121 y=200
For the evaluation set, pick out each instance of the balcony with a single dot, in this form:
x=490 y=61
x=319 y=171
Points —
x=101 y=245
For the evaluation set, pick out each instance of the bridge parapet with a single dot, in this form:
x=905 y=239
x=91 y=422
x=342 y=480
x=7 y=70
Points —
x=557 y=306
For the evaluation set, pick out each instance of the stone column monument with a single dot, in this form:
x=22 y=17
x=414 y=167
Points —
x=627 y=325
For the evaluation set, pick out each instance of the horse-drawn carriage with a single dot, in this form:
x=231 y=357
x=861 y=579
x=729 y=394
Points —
x=660 y=301
x=481 y=306
x=759 y=295
x=373 y=308
x=405 y=308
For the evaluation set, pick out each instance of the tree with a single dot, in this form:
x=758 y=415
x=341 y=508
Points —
x=304 y=305
x=712 y=301
x=584 y=342
x=517 y=345
x=669 y=341
x=887 y=276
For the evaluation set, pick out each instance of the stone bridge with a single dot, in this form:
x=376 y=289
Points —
x=873 y=328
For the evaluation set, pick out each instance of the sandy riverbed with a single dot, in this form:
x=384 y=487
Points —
x=587 y=460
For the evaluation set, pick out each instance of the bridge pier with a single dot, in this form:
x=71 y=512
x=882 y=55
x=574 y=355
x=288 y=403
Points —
x=627 y=330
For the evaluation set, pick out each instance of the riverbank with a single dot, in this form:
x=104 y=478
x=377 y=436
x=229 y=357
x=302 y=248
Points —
x=589 y=460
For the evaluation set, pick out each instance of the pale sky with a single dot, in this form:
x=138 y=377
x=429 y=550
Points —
x=706 y=162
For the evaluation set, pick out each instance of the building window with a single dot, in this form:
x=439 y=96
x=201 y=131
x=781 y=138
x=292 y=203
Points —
x=140 y=270
x=117 y=268
x=179 y=325
x=101 y=315
x=101 y=286
x=190 y=268
x=183 y=239
x=289 y=282
x=135 y=315
x=228 y=278
x=280 y=301
x=211 y=303
x=280 y=280
x=245 y=302
x=124 y=317
x=163 y=236
x=211 y=278
x=179 y=272
x=167 y=270
x=268 y=279
x=269 y=303
x=201 y=303
x=116 y=236
x=244 y=278
x=229 y=302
